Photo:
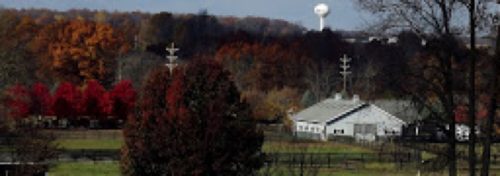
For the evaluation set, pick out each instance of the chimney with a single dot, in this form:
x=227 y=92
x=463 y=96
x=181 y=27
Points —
x=355 y=98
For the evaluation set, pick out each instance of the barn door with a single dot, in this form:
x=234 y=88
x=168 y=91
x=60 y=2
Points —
x=365 y=131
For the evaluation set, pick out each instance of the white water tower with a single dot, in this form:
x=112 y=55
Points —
x=322 y=11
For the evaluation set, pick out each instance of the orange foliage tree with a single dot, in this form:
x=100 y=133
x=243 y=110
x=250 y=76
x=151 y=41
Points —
x=263 y=66
x=79 y=50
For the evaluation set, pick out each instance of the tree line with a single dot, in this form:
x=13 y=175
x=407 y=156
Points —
x=80 y=45
x=265 y=57
x=76 y=105
x=274 y=64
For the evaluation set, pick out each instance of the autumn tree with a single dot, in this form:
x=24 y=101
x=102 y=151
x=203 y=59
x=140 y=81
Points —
x=144 y=150
x=16 y=63
x=41 y=100
x=67 y=102
x=23 y=102
x=237 y=57
x=92 y=100
x=129 y=23
x=263 y=66
x=18 y=101
x=219 y=121
x=192 y=123
x=274 y=105
x=122 y=98
x=79 y=50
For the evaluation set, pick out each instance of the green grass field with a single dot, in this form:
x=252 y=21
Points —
x=74 y=144
x=313 y=147
x=112 y=169
x=268 y=146
x=108 y=140
x=88 y=139
x=86 y=169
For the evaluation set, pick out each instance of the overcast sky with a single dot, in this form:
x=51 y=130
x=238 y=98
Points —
x=344 y=14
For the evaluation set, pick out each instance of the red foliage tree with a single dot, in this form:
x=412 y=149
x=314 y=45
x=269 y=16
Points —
x=461 y=114
x=174 y=98
x=18 y=101
x=105 y=104
x=67 y=101
x=123 y=97
x=41 y=100
x=194 y=124
x=91 y=100
x=140 y=156
x=222 y=132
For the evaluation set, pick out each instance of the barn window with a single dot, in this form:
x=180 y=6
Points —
x=307 y=128
x=342 y=131
x=300 y=128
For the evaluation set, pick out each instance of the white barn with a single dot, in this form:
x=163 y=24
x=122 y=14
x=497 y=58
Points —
x=348 y=118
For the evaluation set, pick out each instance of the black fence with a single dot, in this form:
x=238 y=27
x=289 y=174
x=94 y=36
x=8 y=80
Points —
x=314 y=159
x=322 y=159
x=295 y=160
x=90 y=154
x=280 y=158
x=328 y=160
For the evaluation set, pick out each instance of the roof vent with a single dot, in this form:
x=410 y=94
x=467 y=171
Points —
x=355 y=98
x=338 y=96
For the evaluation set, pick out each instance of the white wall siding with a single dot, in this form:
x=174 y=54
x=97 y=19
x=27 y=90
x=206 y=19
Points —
x=316 y=129
x=340 y=129
x=386 y=124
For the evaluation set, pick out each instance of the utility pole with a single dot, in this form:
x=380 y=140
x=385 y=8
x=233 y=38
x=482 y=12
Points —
x=171 y=57
x=345 y=60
